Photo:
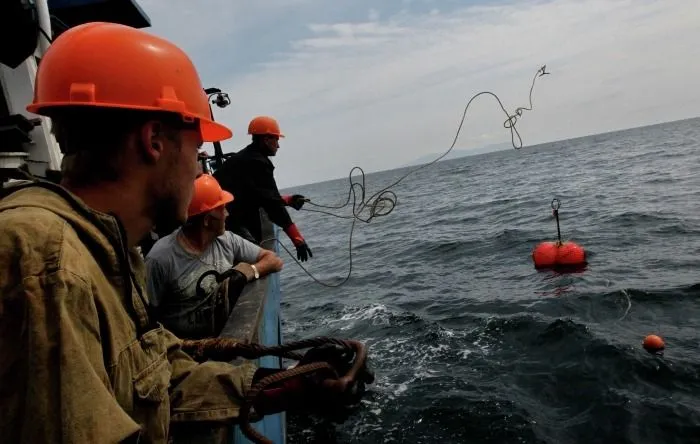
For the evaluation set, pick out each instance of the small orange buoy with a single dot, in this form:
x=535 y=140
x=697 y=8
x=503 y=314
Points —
x=653 y=343
x=558 y=255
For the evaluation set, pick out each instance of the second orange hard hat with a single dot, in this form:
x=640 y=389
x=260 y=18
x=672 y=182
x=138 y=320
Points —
x=264 y=126
x=208 y=195
x=110 y=65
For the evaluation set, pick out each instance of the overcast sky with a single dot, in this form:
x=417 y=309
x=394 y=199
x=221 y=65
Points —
x=378 y=84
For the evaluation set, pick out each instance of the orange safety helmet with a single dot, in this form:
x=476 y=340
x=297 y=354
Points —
x=264 y=126
x=110 y=65
x=207 y=195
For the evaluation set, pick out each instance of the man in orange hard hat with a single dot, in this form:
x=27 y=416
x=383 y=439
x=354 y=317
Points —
x=81 y=358
x=249 y=175
x=176 y=262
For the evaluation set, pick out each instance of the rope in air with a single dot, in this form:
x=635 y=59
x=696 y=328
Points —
x=384 y=201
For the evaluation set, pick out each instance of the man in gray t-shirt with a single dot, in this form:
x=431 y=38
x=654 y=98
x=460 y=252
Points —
x=176 y=262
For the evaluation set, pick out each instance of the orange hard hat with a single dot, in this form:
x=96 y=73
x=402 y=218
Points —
x=264 y=126
x=207 y=195
x=110 y=65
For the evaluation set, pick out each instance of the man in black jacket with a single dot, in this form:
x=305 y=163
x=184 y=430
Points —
x=249 y=175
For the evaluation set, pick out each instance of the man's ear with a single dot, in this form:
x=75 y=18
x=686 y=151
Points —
x=152 y=141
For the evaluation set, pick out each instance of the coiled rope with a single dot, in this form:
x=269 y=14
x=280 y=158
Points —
x=226 y=349
x=384 y=201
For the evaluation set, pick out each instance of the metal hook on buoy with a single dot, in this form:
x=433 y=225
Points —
x=555 y=209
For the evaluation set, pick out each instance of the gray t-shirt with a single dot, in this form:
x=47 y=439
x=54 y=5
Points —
x=172 y=272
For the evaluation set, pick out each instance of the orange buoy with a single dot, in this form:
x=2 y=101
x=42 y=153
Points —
x=653 y=343
x=558 y=255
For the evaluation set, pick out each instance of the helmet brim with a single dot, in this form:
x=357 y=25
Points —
x=226 y=197
x=214 y=131
x=210 y=130
x=281 y=136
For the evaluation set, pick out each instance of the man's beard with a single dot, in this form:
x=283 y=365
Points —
x=167 y=216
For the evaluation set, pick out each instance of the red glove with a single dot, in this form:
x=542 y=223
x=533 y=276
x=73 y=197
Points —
x=294 y=234
x=278 y=397
x=303 y=250
x=295 y=201
x=321 y=392
x=301 y=393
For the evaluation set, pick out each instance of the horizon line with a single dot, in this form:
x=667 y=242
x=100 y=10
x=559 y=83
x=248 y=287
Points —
x=568 y=139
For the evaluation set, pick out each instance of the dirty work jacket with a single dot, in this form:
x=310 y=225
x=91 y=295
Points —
x=80 y=362
x=249 y=176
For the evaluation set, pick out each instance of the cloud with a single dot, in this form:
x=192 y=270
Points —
x=380 y=88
